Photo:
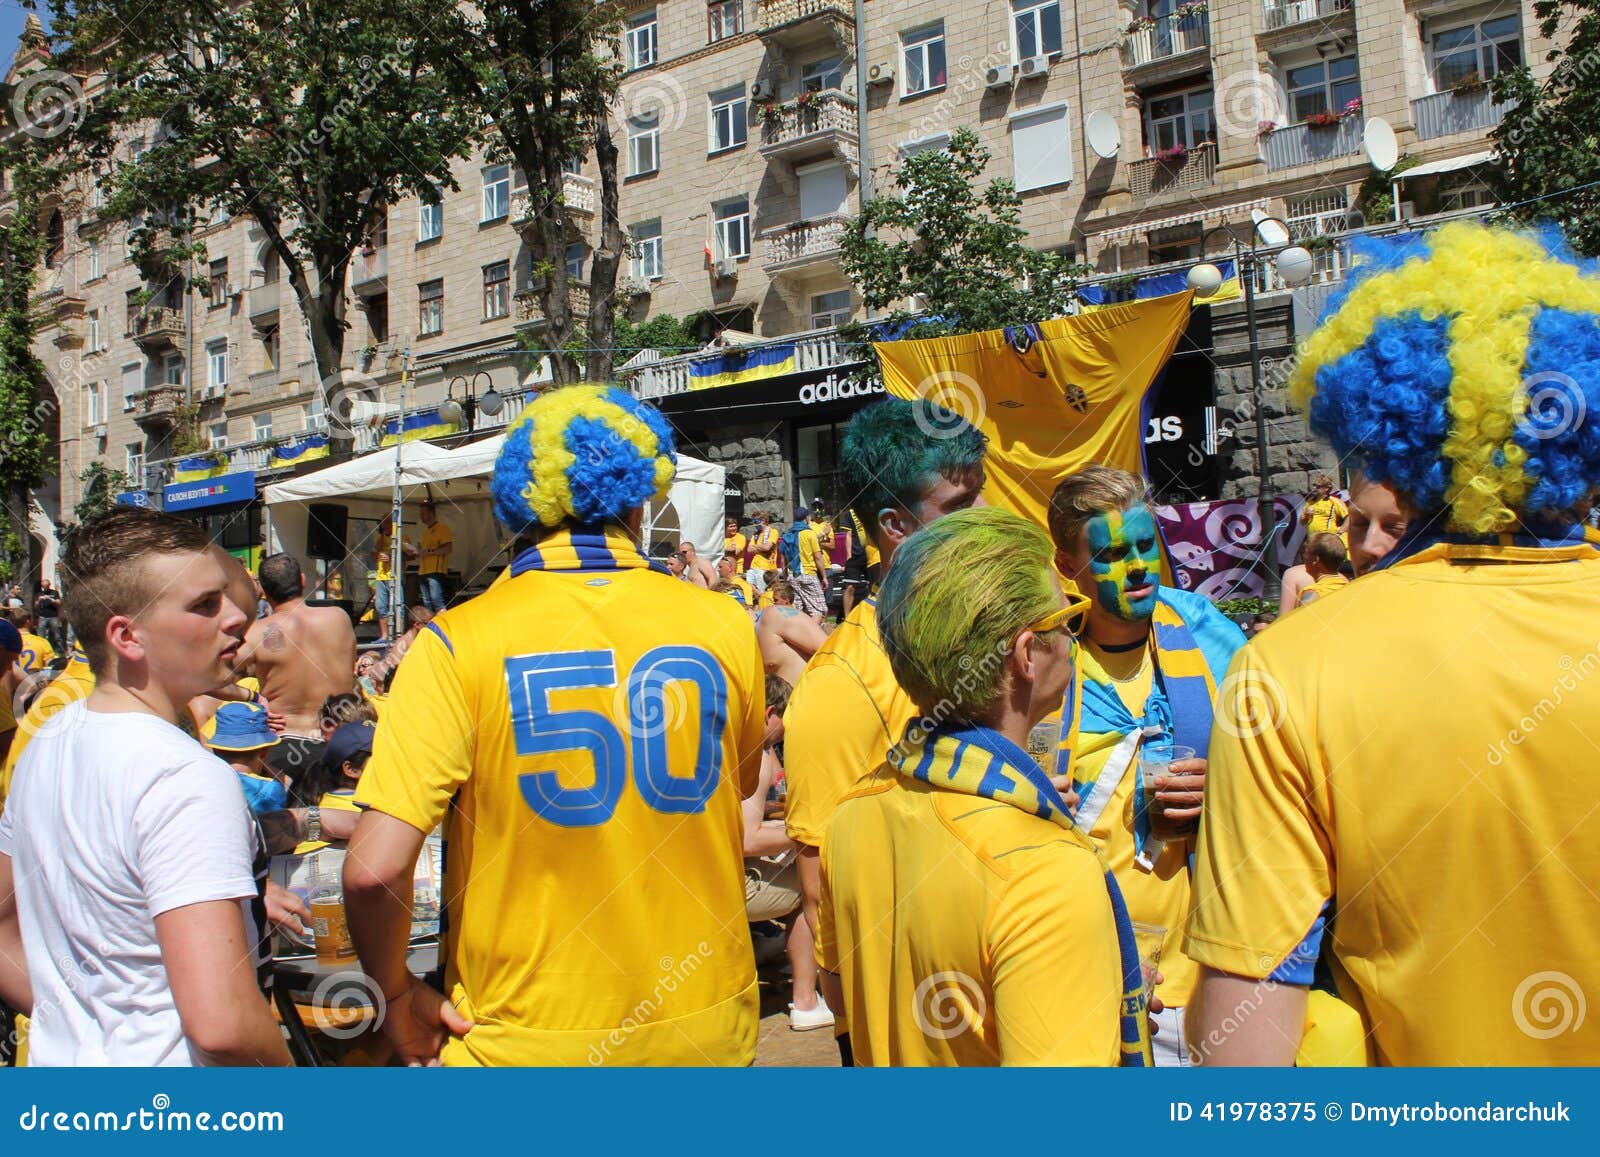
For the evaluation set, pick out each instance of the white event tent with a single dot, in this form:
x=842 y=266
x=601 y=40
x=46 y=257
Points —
x=458 y=481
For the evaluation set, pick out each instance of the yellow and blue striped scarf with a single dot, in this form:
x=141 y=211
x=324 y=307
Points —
x=980 y=761
x=585 y=548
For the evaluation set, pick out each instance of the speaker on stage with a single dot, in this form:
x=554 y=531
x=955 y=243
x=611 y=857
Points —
x=326 y=529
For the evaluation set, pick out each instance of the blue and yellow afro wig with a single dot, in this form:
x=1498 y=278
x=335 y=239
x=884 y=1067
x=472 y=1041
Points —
x=1462 y=367
x=582 y=455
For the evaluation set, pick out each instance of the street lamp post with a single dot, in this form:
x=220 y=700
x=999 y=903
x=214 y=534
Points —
x=1294 y=264
x=465 y=409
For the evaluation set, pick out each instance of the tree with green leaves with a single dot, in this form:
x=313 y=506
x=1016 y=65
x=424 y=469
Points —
x=29 y=411
x=959 y=250
x=310 y=117
x=1549 y=143
x=547 y=73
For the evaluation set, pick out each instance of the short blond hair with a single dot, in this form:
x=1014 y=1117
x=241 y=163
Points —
x=1092 y=491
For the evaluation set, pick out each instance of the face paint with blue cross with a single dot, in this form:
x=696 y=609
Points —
x=1125 y=561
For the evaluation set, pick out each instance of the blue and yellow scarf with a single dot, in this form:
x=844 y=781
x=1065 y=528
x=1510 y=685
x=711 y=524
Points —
x=1193 y=645
x=979 y=761
x=586 y=548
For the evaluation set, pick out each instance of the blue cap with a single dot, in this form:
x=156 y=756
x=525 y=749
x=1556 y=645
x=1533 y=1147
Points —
x=347 y=742
x=10 y=637
x=242 y=727
x=802 y=513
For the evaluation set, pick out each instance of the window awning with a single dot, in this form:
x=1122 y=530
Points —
x=1448 y=165
x=1212 y=216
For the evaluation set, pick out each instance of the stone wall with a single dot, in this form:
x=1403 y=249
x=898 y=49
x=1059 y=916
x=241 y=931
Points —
x=1294 y=455
x=758 y=454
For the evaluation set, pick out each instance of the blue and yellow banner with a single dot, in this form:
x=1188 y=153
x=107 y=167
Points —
x=737 y=366
x=200 y=467
x=307 y=449
x=427 y=424
x=1161 y=285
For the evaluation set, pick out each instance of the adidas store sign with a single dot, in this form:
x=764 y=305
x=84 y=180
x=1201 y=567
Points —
x=831 y=389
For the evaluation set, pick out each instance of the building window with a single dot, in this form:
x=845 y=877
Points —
x=644 y=145
x=1481 y=50
x=830 y=309
x=96 y=337
x=1316 y=213
x=269 y=349
x=730 y=119
x=172 y=369
x=647 y=263
x=133 y=462
x=822 y=75
x=642 y=40
x=733 y=229
x=1326 y=86
x=97 y=404
x=430 y=222
x=218 y=282
x=217 y=434
x=1041 y=149
x=430 y=307
x=575 y=261
x=93 y=253
x=217 y=365
x=312 y=413
x=261 y=427
x=1464 y=189
x=1183 y=118
x=132 y=384
x=724 y=18
x=271 y=267
x=1037 y=24
x=922 y=59
x=496 y=192
x=496 y=290
x=1179 y=243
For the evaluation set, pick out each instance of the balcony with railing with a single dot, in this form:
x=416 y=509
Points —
x=811 y=125
x=530 y=315
x=1308 y=144
x=1154 y=39
x=787 y=19
x=1153 y=176
x=157 y=407
x=1456 y=111
x=649 y=375
x=577 y=193
x=1287 y=13
x=804 y=244
x=261 y=303
x=369 y=269
x=157 y=327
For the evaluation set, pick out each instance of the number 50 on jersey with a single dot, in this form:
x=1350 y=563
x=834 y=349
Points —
x=540 y=730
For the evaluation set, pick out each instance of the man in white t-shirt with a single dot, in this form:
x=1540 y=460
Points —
x=126 y=876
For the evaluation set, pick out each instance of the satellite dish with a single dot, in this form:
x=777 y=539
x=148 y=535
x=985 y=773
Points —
x=1377 y=141
x=1101 y=131
x=1269 y=229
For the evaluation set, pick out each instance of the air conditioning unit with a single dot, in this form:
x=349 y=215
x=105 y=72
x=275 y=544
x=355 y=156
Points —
x=880 y=73
x=998 y=77
x=1034 y=66
x=761 y=89
x=235 y=289
x=726 y=267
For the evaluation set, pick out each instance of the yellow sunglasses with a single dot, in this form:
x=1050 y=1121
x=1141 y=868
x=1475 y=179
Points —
x=1070 y=615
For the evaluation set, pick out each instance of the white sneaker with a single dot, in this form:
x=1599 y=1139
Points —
x=806 y=1019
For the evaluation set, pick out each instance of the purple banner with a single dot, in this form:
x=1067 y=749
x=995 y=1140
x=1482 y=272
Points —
x=1214 y=545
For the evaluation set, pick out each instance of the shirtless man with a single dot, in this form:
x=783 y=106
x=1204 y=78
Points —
x=701 y=573
x=788 y=638
x=301 y=655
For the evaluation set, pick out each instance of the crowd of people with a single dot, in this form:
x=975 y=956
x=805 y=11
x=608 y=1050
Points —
x=1022 y=802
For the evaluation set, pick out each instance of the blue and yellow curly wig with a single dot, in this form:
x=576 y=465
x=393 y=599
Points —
x=582 y=455
x=1462 y=367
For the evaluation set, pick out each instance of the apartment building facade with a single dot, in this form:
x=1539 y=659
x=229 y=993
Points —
x=750 y=131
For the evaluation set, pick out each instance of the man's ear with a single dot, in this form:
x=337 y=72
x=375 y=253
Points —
x=1065 y=565
x=123 y=639
x=895 y=524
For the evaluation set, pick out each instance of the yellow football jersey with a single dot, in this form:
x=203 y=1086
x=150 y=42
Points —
x=586 y=729
x=74 y=683
x=847 y=710
x=434 y=537
x=766 y=539
x=1160 y=896
x=966 y=932
x=810 y=546
x=1418 y=755
x=1323 y=515
x=37 y=653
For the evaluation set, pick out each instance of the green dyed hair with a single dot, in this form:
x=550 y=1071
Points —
x=958 y=593
x=893 y=451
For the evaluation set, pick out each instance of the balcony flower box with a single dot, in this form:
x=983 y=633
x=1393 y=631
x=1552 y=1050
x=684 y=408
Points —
x=1172 y=156
x=1323 y=120
x=1469 y=85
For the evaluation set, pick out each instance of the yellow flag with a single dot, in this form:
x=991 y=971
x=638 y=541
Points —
x=1052 y=397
